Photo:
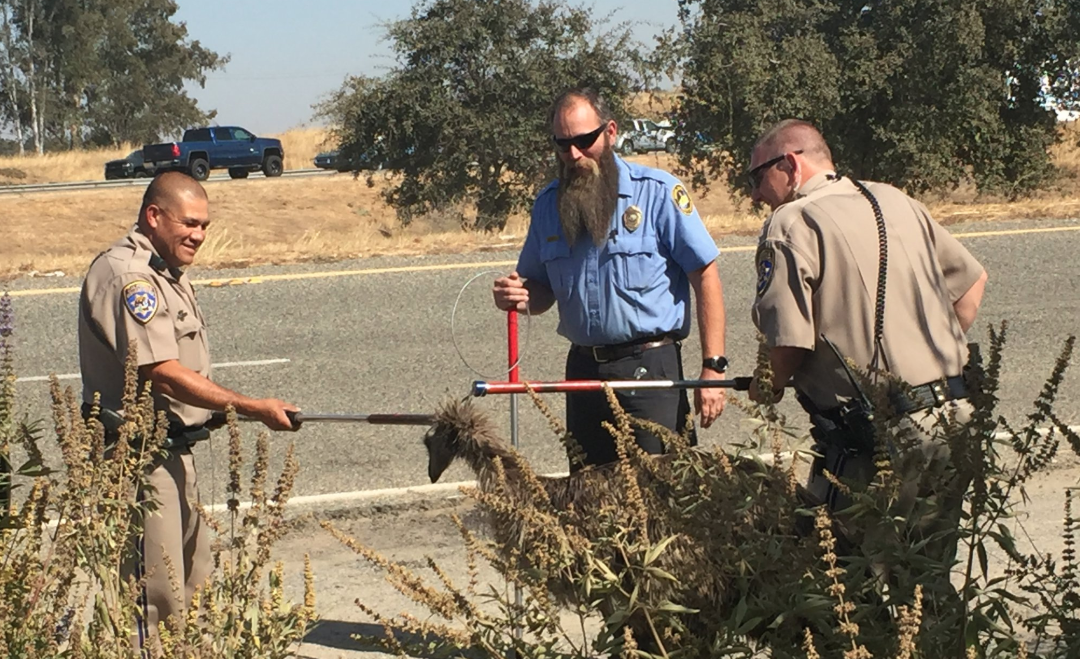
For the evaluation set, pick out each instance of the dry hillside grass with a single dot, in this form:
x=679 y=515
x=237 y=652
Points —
x=336 y=217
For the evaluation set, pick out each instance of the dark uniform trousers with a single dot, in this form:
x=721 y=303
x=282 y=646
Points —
x=585 y=411
x=930 y=500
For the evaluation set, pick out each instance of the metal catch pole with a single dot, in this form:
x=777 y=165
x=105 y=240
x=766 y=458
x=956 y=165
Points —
x=481 y=388
x=514 y=377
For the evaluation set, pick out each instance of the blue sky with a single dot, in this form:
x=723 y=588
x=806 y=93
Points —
x=287 y=54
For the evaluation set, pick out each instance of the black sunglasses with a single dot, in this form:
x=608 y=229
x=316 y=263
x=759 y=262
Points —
x=755 y=175
x=582 y=142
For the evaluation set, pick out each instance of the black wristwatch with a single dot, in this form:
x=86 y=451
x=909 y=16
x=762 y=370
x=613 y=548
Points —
x=718 y=363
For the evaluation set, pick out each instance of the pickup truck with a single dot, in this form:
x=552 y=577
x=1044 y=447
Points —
x=217 y=147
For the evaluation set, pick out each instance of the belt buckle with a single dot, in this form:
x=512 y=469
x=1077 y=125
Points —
x=596 y=356
x=937 y=389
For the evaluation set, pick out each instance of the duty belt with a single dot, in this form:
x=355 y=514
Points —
x=915 y=399
x=622 y=350
x=179 y=436
x=931 y=394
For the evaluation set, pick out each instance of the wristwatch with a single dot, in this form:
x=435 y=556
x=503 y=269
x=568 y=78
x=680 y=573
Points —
x=718 y=363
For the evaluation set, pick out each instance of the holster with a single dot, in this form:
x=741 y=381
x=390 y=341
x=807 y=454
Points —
x=179 y=436
x=847 y=428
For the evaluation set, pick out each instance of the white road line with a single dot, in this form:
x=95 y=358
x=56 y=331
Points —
x=76 y=376
x=444 y=489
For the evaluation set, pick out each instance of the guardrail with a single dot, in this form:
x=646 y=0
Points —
x=121 y=183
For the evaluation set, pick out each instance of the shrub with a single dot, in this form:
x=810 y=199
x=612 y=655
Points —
x=60 y=589
x=718 y=554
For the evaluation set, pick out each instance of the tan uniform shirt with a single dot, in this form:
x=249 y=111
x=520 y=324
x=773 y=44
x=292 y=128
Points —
x=817 y=265
x=130 y=294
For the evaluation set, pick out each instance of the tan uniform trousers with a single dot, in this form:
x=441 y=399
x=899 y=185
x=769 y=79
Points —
x=176 y=531
x=931 y=491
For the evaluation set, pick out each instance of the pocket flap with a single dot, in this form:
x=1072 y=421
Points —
x=189 y=325
x=629 y=244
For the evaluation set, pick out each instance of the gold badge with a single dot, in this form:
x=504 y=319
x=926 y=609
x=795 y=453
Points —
x=631 y=219
x=682 y=199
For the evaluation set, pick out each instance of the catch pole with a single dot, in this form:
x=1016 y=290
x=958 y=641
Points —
x=514 y=377
x=217 y=419
x=514 y=387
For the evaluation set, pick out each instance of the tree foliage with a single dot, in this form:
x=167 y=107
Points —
x=462 y=116
x=104 y=71
x=921 y=93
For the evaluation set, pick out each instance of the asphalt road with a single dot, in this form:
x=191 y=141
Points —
x=370 y=342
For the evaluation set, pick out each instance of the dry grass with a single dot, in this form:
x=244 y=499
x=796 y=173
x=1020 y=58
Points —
x=88 y=165
x=258 y=221
x=300 y=144
x=337 y=217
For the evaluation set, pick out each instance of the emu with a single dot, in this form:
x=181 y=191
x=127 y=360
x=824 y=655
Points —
x=461 y=432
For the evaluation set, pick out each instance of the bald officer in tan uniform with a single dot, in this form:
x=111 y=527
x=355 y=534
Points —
x=818 y=276
x=137 y=291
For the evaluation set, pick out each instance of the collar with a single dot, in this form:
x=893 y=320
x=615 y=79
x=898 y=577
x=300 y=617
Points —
x=816 y=182
x=153 y=259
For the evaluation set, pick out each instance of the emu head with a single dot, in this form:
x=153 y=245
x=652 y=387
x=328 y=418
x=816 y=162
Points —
x=456 y=425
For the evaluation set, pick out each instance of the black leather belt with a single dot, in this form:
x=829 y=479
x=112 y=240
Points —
x=931 y=394
x=622 y=350
x=922 y=397
x=178 y=437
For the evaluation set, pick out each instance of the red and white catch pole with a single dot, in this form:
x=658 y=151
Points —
x=481 y=388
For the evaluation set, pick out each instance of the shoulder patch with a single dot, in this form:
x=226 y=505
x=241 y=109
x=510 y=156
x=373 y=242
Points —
x=764 y=262
x=682 y=199
x=141 y=300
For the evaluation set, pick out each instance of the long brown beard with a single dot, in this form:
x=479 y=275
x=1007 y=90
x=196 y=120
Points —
x=587 y=195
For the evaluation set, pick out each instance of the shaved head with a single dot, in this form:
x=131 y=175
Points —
x=795 y=135
x=167 y=189
x=175 y=214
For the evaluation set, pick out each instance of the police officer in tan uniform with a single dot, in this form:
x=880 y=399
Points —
x=819 y=286
x=138 y=291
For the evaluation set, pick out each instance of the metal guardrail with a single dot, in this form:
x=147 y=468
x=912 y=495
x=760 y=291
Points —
x=121 y=183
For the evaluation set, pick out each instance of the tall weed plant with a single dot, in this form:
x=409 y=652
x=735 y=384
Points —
x=64 y=533
x=723 y=553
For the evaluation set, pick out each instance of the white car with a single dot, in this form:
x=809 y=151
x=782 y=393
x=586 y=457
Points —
x=644 y=135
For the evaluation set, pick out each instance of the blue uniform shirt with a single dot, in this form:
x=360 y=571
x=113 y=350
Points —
x=635 y=284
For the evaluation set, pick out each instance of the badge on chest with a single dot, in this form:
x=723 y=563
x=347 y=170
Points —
x=631 y=219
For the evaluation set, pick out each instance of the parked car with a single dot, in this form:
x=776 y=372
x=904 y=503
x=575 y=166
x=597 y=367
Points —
x=131 y=166
x=218 y=147
x=334 y=160
x=330 y=160
x=643 y=135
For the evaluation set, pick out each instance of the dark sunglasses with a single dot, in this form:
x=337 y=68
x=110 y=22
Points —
x=755 y=175
x=582 y=142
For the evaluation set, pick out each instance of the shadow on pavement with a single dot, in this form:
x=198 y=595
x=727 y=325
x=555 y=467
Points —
x=338 y=634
